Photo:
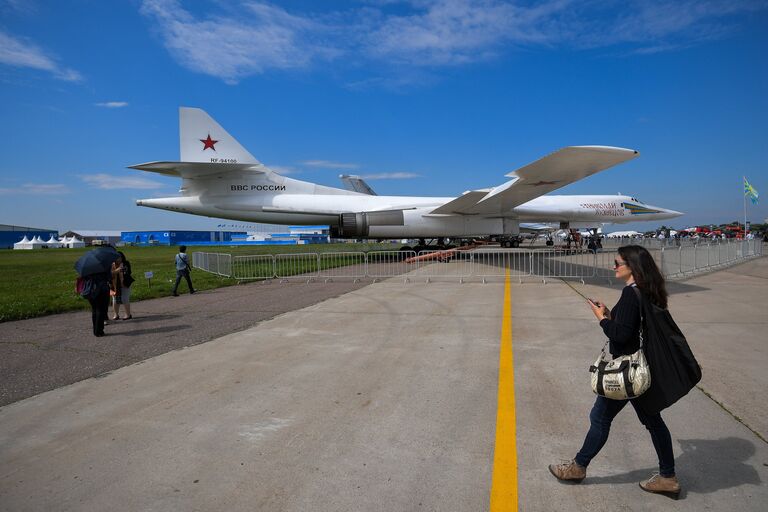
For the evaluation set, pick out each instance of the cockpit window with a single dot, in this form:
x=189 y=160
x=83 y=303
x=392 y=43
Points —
x=637 y=200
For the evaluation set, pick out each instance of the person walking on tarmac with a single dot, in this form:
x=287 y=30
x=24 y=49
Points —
x=635 y=266
x=182 y=270
x=94 y=269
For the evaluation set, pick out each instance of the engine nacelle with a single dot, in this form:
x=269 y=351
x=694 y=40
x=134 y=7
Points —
x=357 y=225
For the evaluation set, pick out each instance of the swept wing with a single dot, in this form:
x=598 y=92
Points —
x=549 y=173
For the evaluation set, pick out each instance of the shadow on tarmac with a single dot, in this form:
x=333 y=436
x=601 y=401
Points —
x=673 y=287
x=139 y=332
x=144 y=318
x=704 y=466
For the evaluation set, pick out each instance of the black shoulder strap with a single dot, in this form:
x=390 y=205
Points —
x=639 y=295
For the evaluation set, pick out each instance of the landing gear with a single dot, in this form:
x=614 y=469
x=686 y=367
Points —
x=510 y=242
x=434 y=244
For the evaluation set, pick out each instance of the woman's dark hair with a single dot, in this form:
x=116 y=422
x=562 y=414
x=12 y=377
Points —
x=646 y=274
x=122 y=256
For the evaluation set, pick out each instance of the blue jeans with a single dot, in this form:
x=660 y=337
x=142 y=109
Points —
x=600 y=420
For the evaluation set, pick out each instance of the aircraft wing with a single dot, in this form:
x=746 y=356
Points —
x=196 y=169
x=549 y=173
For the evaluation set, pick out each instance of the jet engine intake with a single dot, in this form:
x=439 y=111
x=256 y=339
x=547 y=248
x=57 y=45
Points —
x=357 y=225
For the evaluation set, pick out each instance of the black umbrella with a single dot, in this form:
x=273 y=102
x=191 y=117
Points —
x=97 y=261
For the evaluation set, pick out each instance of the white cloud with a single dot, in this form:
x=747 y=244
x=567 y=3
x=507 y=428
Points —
x=326 y=164
x=454 y=32
x=239 y=39
x=110 y=182
x=36 y=189
x=23 y=54
x=26 y=7
x=113 y=104
x=661 y=25
x=391 y=176
x=250 y=41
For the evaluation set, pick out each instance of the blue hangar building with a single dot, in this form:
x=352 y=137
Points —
x=9 y=235
x=296 y=235
x=179 y=237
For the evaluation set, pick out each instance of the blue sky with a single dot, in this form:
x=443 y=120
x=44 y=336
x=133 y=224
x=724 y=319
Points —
x=420 y=97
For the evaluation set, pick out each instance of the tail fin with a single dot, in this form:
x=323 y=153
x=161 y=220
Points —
x=356 y=184
x=201 y=139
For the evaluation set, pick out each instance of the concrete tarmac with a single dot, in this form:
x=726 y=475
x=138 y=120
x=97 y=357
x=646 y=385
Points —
x=384 y=398
x=41 y=354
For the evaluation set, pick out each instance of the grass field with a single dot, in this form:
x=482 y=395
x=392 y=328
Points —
x=42 y=282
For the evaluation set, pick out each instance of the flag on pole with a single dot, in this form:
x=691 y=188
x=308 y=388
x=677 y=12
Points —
x=750 y=191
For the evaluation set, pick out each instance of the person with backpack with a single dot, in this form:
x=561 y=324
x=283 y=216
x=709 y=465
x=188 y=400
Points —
x=635 y=266
x=182 y=270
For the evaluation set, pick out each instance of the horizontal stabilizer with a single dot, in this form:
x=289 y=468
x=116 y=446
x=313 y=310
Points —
x=197 y=169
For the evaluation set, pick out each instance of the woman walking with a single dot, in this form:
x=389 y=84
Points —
x=635 y=266
x=121 y=284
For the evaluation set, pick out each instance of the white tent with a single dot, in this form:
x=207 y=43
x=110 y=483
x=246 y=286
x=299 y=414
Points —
x=24 y=243
x=620 y=234
x=36 y=243
x=74 y=242
x=53 y=243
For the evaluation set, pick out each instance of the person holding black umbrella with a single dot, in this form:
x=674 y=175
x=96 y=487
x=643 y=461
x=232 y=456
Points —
x=95 y=267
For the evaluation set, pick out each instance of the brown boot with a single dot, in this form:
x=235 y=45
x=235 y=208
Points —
x=668 y=486
x=568 y=471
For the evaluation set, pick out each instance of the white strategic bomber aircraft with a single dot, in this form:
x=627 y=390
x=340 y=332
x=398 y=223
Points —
x=219 y=178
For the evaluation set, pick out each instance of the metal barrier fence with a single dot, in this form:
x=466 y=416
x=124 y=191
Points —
x=674 y=262
x=658 y=243
x=455 y=265
x=385 y=264
x=253 y=267
x=213 y=262
x=684 y=261
x=342 y=265
x=495 y=263
x=302 y=265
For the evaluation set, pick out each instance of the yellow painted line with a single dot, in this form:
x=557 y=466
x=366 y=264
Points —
x=504 y=483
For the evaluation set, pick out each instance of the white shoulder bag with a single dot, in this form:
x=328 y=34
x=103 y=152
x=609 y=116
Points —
x=622 y=378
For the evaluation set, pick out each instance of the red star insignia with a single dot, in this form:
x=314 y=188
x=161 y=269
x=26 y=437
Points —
x=208 y=143
x=540 y=183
